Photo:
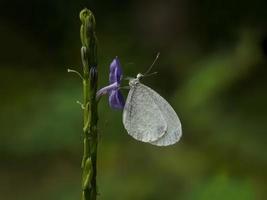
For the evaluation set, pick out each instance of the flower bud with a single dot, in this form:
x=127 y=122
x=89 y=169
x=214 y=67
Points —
x=88 y=26
x=93 y=77
x=88 y=36
x=84 y=56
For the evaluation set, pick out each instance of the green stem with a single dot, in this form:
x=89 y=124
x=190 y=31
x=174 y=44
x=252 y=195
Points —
x=90 y=139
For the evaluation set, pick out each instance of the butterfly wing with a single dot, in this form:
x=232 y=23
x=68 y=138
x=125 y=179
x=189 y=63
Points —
x=142 y=118
x=174 y=128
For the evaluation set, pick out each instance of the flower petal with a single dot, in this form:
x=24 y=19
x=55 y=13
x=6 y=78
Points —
x=116 y=99
x=105 y=90
x=115 y=73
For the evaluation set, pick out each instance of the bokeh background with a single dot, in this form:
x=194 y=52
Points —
x=212 y=69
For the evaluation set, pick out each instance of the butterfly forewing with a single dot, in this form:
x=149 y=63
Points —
x=142 y=118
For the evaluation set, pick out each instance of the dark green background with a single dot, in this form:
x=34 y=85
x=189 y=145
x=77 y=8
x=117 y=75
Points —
x=212 y=70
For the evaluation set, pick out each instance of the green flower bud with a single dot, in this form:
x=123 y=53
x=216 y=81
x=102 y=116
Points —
x=88 y=36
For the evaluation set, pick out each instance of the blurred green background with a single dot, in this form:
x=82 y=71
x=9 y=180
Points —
x=212 y=69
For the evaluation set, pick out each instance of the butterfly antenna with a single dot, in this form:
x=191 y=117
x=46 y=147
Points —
x=155 y=60
x=151 y=74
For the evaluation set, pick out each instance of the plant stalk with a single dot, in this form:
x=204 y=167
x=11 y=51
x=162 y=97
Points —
x=90 y=138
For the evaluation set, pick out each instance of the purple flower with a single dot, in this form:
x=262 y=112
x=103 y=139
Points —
x=116 y=99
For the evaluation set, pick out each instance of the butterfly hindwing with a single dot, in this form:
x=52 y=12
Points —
x=174 y=129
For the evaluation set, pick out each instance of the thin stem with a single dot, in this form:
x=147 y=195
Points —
x=76 y=72
x=90 y=140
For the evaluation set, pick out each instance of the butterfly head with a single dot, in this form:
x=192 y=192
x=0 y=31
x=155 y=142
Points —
x=135 y=81
x=139 y=76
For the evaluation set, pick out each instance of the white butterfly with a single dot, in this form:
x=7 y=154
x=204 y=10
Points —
x=148 y=117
